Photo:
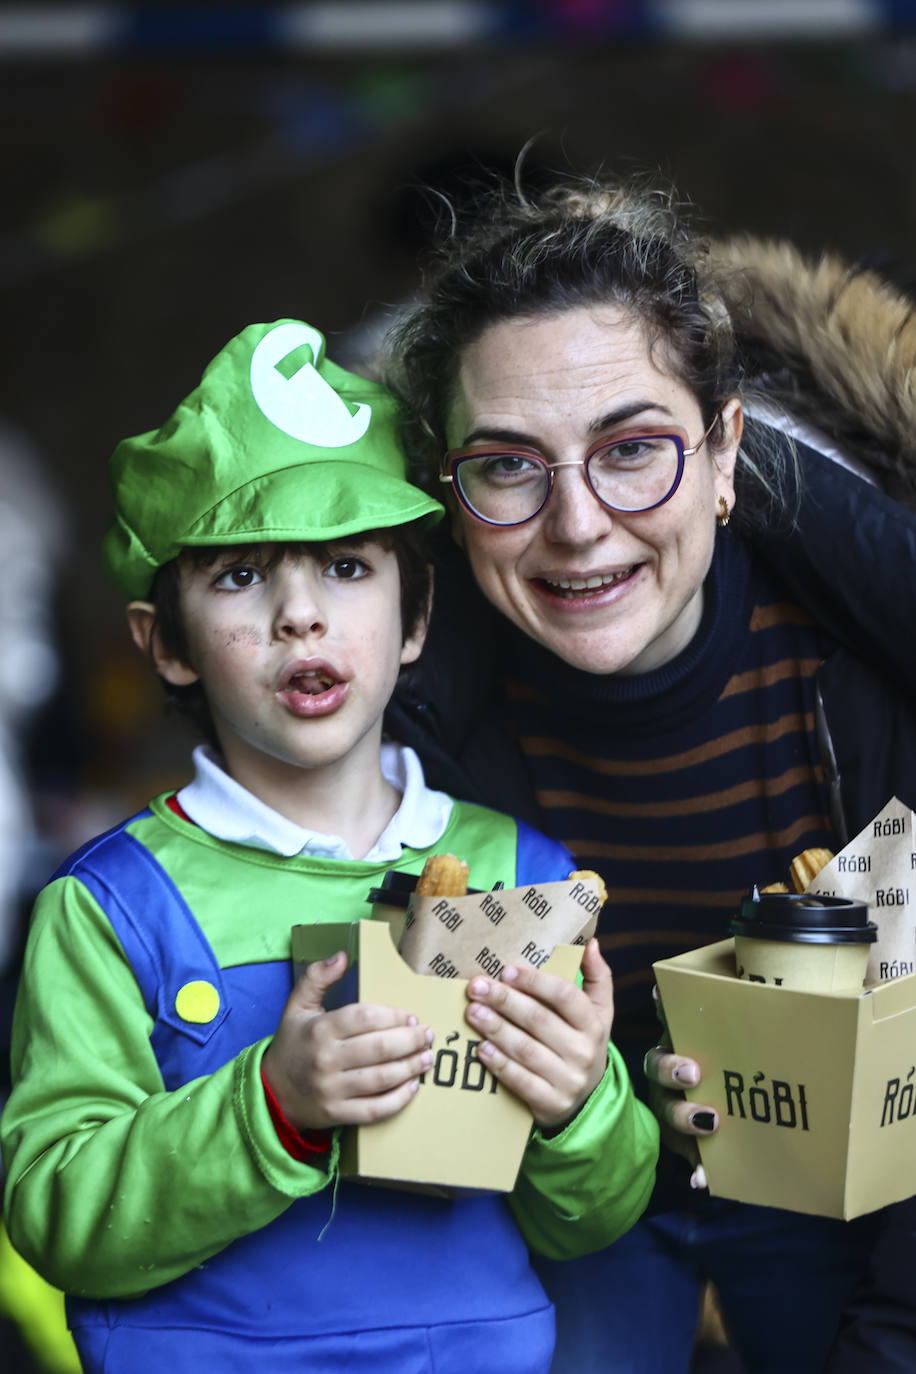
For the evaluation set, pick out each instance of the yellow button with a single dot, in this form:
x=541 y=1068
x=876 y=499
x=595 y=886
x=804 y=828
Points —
x=198 y=1002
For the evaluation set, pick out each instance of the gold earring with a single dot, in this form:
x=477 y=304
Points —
x=724 y=515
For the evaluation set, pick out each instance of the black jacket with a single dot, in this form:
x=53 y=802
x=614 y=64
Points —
x=851 y=562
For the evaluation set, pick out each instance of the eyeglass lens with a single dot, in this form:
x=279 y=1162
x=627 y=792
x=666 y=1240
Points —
x=632 y=475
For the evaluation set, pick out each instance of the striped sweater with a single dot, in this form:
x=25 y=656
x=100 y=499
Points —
x=683 y=786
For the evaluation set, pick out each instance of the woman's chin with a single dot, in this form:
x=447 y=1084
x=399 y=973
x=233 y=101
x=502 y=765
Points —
x=586 y=631
x=630 y=634
x=629 y=645
x=592 y=650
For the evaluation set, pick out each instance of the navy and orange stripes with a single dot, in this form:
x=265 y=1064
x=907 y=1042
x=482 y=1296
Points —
x=685 y=786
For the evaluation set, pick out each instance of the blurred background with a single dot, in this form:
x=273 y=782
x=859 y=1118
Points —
x=171 y=173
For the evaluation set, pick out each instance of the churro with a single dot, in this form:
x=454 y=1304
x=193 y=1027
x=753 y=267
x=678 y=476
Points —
x=589 y=875
x=443 y=875
x=806 y=866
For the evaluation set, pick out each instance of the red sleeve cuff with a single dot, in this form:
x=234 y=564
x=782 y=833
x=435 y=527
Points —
x=299 y=1146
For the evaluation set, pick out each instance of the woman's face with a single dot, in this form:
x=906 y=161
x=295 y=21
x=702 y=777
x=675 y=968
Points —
x=607 y=592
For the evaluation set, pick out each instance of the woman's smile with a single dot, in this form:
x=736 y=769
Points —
x=584 y=590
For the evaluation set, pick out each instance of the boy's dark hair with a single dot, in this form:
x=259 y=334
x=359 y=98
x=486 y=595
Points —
x=404 y=541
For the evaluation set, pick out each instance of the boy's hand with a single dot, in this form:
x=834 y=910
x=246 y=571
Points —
x=355 y=1065
x=545 y=1038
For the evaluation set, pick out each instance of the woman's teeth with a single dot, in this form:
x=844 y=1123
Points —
x=587 y=584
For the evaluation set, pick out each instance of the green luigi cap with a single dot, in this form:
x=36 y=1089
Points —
x=276 y=445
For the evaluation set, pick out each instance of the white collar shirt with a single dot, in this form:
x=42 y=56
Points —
x=227 y=810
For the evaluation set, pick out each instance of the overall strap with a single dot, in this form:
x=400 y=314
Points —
x=173 y=963
x=539 y=859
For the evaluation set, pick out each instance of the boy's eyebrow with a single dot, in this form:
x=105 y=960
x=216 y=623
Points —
x=201 y=558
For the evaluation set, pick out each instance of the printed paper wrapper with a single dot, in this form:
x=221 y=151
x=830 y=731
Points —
x=460 y=937
x=462 y=1131
x=879 y=867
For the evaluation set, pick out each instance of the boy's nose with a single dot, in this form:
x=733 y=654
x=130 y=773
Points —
x=299 y=611
x=291 y=626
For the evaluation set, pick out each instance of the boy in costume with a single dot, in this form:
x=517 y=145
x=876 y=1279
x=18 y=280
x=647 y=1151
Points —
x=170 y=1142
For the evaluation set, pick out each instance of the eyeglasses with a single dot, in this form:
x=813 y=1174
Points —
x=510 y=486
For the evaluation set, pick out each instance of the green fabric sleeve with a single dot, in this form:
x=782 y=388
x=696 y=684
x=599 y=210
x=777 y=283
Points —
x=581 y=1189
x=111 y=1181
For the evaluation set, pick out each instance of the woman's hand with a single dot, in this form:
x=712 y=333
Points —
x=543 y=1036
x=358 y=1064
x=668 y=1074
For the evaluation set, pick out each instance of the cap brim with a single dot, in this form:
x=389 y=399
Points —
x=317 y=501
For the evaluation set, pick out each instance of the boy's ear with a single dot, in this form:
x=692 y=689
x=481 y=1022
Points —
x=141 y=617
x=413 y=644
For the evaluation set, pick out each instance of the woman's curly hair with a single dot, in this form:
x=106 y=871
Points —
x=577 y=243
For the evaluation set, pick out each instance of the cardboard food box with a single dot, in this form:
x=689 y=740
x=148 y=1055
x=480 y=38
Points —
x=463 y=1130
x=814 y=1091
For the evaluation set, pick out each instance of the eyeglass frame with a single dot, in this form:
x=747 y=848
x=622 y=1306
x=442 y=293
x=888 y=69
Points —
x=454 y=457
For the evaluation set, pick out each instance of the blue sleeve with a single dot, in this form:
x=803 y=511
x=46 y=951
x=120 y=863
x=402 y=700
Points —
x=539 y=860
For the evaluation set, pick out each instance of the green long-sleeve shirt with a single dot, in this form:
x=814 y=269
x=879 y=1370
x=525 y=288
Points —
x=112 y=1179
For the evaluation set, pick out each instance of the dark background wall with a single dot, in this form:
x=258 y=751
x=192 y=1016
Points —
x=157 y=198
x=185 y=173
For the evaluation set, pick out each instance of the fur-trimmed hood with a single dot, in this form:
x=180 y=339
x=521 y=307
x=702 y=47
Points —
x=833 y=344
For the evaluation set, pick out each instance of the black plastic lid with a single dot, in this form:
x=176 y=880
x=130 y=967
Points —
x=397 y=889
x=804 y=919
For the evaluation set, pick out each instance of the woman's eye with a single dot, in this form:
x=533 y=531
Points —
x=508 y=466
x=237 y=579
x=630 y=448
x=630 y=452
x=347 y=569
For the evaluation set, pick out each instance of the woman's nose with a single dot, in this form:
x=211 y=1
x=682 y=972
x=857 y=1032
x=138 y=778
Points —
x=299 y=609
x=574 y=515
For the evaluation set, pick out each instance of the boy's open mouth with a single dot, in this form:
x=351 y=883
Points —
x=312 y=683
x=312 y=688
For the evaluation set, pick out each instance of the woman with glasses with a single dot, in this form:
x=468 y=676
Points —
x=678 y=640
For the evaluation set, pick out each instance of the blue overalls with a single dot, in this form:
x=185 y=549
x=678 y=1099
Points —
x=372 y=1278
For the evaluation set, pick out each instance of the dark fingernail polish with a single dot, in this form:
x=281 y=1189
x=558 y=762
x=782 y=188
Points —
x=704 y=1121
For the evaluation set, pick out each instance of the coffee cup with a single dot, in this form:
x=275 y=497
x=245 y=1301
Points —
x=803 y=941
